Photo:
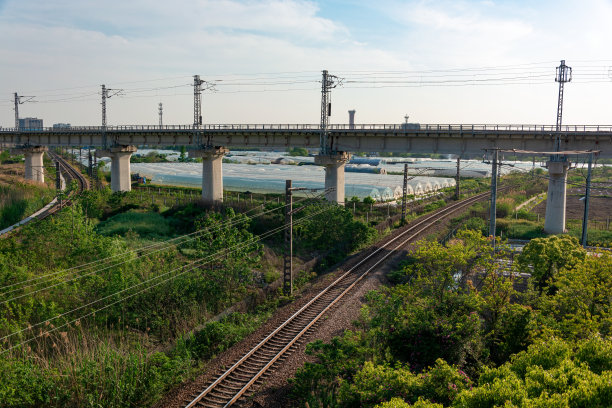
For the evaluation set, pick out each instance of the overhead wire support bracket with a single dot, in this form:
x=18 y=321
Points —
x=106 y=94
x=328 y=82
x=199 y=85
x=563 y=75
x=20 y=100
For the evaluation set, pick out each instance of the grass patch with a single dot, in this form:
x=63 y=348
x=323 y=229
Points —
x=599 y=238
x=520 y=229
x=149 y=224
x=21 y=200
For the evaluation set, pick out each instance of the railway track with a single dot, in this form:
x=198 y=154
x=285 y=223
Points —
x=233 y=384
x=70 y=174
x=54 y=206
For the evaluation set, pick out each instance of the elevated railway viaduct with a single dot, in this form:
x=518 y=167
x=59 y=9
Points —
x=212 y=142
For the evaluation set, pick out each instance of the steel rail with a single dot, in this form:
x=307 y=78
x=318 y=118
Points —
x=73 y=174
x=414 y=230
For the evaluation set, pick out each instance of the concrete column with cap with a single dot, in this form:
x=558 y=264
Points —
x=554 y=222
x=120 y=166
x=212 y=172
x=334 y=174
x=34 y=169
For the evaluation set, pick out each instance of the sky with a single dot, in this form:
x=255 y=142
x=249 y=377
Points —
x=458 y=61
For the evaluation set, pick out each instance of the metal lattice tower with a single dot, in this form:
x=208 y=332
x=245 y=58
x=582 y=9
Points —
x=197 y=101
x=161 y=114
x=328 y=82
x=104 y=96
x=563 y=75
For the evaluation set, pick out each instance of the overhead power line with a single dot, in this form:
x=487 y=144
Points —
x=185 y=268
x=141 y=252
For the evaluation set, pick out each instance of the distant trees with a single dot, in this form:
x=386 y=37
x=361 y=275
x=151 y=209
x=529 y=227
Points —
x=298 y=151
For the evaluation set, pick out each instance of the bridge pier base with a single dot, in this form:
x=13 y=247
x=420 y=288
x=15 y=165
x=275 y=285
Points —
x=212 y=172
x=554 y=222
x=120 y=166
x=334 y=175
x=34 y=169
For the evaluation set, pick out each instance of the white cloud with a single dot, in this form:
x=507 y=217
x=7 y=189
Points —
x=70 y=43
x=211 y=38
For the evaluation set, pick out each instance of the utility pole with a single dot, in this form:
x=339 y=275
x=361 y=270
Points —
x=328 y=82
x=58 y=182
x=288 y=258
x=95 y=172
x=405 y=193
x=493 y=195
x=457 y=178
x=161 y=114
x=585 y=218
x=563 y=75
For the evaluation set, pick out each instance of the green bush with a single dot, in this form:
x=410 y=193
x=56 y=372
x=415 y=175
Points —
x=216 y=337
x=434 y=205
x=526 y=215
x=145 y=224
x=519 y=229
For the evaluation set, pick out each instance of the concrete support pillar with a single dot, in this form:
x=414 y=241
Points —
x=212 y=172
x=120 y=166
x=34 y=169
x=334 y=174
x=554 y=223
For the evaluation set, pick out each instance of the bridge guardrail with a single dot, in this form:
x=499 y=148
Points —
x=411 y=127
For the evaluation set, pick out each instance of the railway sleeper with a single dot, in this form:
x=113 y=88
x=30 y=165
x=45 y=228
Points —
x=215 y=399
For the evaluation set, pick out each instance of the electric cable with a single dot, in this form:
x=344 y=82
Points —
x=193 y=266
x=227 y=224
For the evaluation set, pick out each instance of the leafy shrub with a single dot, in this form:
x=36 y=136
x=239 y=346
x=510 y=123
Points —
x=504 y=207
x=434 y=205
x=547 y=256
x=217 y=337
x=145 y=224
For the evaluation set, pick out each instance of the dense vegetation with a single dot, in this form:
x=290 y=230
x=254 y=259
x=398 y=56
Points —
x=118 y=330
x=454 y=331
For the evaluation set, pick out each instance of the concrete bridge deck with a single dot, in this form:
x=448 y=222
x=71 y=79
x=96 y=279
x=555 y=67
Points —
x=462 y=139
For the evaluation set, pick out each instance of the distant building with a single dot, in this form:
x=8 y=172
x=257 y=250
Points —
x=30 y=123
x=61 y=126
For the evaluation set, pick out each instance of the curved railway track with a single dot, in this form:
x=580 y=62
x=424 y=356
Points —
x=70 y=174
x=232 y=385
x=54 y=206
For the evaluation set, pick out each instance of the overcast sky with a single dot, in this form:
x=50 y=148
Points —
x=437 y=61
